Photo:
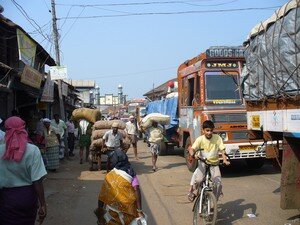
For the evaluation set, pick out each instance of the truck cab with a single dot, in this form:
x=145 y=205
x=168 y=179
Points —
x=209 y=89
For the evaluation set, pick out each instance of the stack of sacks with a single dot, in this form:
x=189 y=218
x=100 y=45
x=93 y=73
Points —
x=101 y=127
x=157 y=117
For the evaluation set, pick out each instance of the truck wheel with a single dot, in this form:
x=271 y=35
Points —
x=163 y=148
x=191 y=163
x=255 y=163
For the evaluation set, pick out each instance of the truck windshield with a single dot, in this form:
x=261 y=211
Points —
x=222 y=88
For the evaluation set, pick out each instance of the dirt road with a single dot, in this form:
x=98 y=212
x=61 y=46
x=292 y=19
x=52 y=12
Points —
x=72 y=193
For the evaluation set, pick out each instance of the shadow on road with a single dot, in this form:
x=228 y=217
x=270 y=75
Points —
x=233 y=211
x=240 y=169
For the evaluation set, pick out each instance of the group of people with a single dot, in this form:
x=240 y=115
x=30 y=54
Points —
x=23 y=166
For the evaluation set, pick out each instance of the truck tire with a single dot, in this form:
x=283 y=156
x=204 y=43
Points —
x=255 y=163
x=163 y=148
x=191 y=163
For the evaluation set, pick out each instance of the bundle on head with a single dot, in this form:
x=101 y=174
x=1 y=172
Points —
x=91 y=115
x=104 y=124
x=154 y=117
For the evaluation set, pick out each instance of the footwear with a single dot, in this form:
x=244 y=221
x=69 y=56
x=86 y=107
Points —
x=191 y=196
x=80 y=161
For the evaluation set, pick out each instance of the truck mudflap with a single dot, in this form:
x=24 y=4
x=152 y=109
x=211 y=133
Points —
x=246 y=150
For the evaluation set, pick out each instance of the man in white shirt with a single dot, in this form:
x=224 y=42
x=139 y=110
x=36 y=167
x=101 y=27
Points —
x=59 y=128
x=113 y=140
x=131 y=131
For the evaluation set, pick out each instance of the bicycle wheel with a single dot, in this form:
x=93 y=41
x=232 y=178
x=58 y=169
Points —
x=208 y=216
x=196 y=217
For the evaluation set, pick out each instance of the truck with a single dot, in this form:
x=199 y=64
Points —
x=209 y=89
x=271 y=88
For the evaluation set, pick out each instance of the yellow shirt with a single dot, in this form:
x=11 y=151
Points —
x=211 y=147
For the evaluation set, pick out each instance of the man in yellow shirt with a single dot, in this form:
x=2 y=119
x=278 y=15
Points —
x=211 y=145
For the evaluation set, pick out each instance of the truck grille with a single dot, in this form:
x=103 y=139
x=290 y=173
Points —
x=240 y=135
x=229 y=118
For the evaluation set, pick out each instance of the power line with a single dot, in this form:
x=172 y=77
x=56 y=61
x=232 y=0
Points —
x=132 y=3
x=30 y=20
x=71 y=26
x=175 y=13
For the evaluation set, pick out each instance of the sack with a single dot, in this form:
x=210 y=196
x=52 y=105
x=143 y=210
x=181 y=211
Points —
x=96 y=144
x=157 y=117
x=106 y=124
x=96 y=134
x=90 y=115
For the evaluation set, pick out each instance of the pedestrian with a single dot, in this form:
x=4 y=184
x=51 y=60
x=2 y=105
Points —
x=156 y=135
x=85 y=132
x=2 y=133
x=112 y=140
x=120 y=196
x=71 y=136
x=210 y=145
x=131 y=132
x=51 y=146
x=21 y=181
x=59 y=127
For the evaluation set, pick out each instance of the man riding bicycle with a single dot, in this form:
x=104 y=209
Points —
x=210 y=145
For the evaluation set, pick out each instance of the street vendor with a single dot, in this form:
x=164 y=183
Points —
x=112 y=140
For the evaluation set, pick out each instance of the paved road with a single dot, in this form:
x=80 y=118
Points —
x=72 y=193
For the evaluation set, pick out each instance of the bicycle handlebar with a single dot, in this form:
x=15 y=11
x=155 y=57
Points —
x=206 y=161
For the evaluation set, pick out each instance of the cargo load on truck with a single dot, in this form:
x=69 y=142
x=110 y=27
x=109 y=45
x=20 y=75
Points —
x=272 y=56
x=271 y=88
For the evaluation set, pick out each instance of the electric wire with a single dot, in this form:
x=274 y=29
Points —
x=174 y=13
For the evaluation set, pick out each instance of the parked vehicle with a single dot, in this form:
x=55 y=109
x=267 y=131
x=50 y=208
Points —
x=208 y=89
x=271 y=88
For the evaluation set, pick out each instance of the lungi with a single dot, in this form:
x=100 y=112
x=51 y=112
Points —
x=18 y=205
x=52 y=156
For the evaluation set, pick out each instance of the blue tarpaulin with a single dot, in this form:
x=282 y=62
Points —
x=167 y=107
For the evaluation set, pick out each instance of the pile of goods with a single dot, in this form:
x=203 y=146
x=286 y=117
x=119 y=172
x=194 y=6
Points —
x=90 y=115
x=154 y=117
x=99 y=129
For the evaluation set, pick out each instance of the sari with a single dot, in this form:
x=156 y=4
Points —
x=119 y=198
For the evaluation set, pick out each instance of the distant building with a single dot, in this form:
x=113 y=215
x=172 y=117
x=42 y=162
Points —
x=159 y=92
x=86 y=90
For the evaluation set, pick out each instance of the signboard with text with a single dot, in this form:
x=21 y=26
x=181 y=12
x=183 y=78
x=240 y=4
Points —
x=48 y=92
x=26 y=47
x=58 y=72
x=31 y=77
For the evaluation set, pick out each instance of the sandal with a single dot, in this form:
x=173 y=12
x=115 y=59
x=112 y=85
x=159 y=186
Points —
x=191 y=196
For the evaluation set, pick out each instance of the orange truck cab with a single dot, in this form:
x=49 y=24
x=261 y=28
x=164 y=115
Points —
x=209 y=89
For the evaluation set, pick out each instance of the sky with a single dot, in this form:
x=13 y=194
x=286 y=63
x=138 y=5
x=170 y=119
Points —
x=136 y=51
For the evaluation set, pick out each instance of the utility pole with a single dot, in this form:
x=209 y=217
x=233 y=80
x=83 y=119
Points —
x=57 y=56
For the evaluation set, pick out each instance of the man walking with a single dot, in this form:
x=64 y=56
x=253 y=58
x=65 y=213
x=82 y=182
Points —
x=59 y=127
x=71 y=136
x=131 y=131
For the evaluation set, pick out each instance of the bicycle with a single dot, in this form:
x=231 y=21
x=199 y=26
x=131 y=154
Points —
x=205 y=206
